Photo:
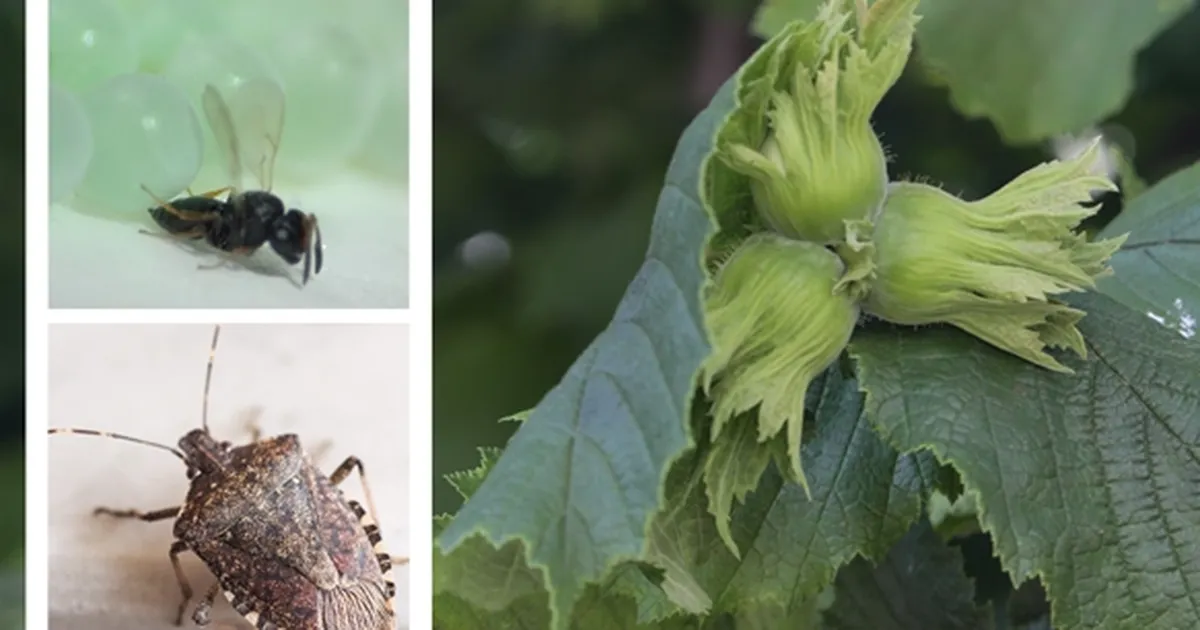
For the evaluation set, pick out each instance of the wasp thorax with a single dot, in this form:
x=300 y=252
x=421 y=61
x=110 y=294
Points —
x=263 y=205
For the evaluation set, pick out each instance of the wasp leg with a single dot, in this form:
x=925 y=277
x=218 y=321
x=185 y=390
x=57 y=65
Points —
x=237 y=251
x=186 y=215
x=312 y=246
x=212 y=193
x=191 y=235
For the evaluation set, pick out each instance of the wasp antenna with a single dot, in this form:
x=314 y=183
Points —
x=118 y=436
x=212 y=352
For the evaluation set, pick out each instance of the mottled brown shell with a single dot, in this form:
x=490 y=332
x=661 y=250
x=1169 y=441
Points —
x=299 y=558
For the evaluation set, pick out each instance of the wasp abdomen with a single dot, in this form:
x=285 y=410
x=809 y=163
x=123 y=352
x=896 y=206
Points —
x=200 y=213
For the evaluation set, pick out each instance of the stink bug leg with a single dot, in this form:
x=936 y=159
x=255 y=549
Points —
x=339 y=475
x=372 y=528
x=177 y=548
x=248 y=418
x=185 y=587
x=149 y=517
x=201 y=614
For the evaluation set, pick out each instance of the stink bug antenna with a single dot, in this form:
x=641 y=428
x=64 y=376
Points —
x=212 y=352
x=118 y=436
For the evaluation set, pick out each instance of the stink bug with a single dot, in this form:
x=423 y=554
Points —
x=288 y=550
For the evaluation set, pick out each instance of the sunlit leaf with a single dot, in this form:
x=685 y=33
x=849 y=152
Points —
x=1158 y=268
x=1037 y=68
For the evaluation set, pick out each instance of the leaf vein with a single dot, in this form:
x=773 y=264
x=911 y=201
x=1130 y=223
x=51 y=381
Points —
x=1150 y=254
x=1172 y=543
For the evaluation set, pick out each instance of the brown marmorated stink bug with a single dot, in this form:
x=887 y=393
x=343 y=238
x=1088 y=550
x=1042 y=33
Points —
x=288 y=550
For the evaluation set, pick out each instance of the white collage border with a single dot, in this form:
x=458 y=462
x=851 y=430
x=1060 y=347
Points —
x=38 y=315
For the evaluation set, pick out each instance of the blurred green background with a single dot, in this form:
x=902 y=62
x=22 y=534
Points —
x=553 y=126
x=12 y=315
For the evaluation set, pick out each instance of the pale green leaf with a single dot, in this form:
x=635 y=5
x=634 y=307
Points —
x=1158 y=267
x=1038 y=68
x=490 y=579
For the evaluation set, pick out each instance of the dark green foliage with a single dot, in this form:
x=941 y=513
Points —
x=599 y=506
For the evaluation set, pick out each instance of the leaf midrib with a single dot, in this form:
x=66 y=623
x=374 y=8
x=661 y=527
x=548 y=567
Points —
x=1154 y=413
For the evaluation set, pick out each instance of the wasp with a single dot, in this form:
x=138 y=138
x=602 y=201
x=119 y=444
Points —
x=244 y=220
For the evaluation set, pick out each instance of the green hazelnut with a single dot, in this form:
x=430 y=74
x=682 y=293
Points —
x=776 y=322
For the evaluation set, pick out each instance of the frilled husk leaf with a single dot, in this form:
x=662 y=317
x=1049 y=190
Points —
x=817 y=163
x=775 y=322
x=992 y=267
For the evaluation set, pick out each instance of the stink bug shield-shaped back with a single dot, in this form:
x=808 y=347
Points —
x=288 y=550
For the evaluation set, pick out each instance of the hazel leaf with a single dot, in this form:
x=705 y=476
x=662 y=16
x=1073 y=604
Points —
x=1087 y=481
x=1157 y=270
x=1039 y=68
x=580 y=479
x=919 y=584
x=864 y=498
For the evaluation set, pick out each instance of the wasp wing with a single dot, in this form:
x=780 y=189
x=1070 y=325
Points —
x=258 y=111
x=220 y=120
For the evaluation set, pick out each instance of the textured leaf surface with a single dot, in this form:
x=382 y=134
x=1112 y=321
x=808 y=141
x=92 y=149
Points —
x=580 y=479
x=1037 y=68
x=598 y=609
x=480 y=586
x=1158 y=268
x=772 y=616
x=864 y=498
x=920 y=584
x=490 y=579
x=1090 y=480
x=653 y=604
